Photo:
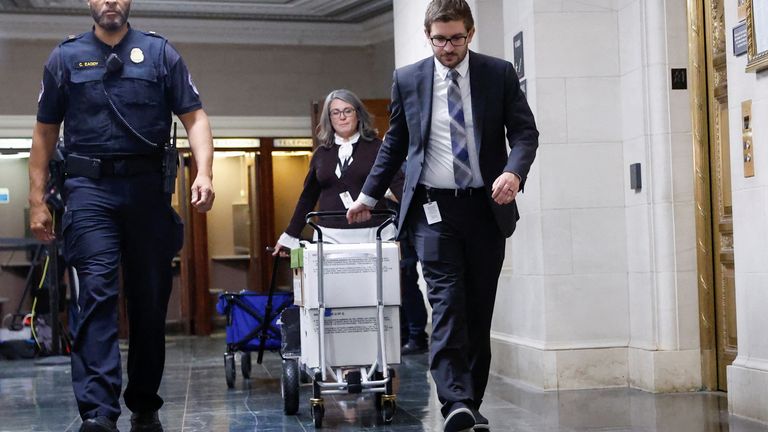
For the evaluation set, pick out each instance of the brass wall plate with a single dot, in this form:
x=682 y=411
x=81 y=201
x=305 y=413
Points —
x=746 y=138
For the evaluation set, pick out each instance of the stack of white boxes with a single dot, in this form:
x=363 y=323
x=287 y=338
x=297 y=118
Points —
x=351 y=332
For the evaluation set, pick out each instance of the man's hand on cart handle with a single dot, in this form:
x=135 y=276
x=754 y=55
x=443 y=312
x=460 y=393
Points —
x=358 y=213
x=279 y=250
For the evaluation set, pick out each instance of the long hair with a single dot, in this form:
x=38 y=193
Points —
x=446 y=11
x=325 y=132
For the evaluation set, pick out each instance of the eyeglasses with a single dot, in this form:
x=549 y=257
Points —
x=441 y=41
x=346 y=111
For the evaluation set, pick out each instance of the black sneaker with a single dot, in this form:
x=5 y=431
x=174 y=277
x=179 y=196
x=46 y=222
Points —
x=98 y=424
x=414 y=347
x=459 y=419
x=146 y=422
x=481 y=423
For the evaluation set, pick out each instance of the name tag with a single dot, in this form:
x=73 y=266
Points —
x=87 y=64
x=432 y=211
x=346 y=198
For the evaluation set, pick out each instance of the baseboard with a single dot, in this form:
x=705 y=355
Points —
x=748 y=392
x=664 y=371
x=560 y=369
x=600 y=367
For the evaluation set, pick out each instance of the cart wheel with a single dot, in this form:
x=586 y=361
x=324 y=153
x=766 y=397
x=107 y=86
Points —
x=318 y=411
x=388 y=408
x=317 y=391
x=245 y=364
x=289 y=386
x=377 y=376
x=391 y=383
x=229 y=369
x=389 y=388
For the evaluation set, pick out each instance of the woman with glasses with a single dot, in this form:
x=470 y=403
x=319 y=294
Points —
x=339 y=167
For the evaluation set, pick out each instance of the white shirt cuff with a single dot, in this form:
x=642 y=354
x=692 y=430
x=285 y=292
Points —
x=365 y=199
x=288 y=241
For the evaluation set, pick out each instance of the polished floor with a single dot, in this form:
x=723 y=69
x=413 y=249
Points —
x=36 y=397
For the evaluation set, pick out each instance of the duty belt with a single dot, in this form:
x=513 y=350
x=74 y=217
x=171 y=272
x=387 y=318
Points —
x=123 y=166
x=454 y=193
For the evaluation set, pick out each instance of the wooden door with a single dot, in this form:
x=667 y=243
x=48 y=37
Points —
x=709 y=96
x=722 y=210
x=379 y=109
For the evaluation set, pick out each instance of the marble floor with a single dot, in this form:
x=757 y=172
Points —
x=35 y=397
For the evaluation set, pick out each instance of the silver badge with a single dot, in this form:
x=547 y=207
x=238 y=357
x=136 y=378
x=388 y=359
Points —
x=137 y=55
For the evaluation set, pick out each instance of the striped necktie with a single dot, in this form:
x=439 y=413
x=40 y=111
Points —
x=462 y=173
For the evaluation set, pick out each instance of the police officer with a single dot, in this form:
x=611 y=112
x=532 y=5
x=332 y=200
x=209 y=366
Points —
x=115 y=89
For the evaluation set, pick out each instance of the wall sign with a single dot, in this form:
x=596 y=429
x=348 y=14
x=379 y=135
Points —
x=740 y=39
x=519 y=60
x=5 y=196
x=679 y=79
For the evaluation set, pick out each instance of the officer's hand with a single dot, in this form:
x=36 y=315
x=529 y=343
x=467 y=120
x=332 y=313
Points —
x=358 y=213
x=202 y=194
x=41 y=223
x=505 y=188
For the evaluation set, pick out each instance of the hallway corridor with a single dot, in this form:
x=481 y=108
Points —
x=39 y=398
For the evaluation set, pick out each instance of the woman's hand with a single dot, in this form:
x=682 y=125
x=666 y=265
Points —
x=280 y=250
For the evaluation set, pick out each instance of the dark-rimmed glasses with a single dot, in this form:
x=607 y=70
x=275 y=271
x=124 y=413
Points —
x=441 y=41
x=346 y=111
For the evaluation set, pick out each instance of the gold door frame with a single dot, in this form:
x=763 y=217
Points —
x=697 y=65
x=712 y=186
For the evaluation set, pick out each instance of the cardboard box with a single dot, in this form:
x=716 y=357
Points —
x=350 y=275
x=351 y=336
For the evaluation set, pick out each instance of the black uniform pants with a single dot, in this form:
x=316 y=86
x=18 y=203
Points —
x=111 y=223
x=461 y=260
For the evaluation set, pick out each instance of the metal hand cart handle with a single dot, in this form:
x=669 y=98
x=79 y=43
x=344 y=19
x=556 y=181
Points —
x=379 y=282
x=380 y=383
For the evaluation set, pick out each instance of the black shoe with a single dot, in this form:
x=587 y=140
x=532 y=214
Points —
x=414 y=347
x=459 y=419
x=98 y=424
x=481 y=423
x=146 y=422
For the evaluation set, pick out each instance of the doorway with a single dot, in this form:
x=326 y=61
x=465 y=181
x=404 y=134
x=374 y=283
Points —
x=714 y=211
x=225 y=249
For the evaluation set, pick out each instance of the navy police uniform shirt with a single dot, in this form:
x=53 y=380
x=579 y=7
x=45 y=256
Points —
x=153 y=82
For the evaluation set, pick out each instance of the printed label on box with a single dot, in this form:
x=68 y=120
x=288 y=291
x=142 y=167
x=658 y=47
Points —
x=351 y=336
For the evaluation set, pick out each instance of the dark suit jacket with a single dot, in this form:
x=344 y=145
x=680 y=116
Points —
x=497 y=103
x=322 y=187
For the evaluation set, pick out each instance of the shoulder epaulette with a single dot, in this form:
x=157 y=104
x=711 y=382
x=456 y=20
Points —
x=72 y=37
x=151 y=33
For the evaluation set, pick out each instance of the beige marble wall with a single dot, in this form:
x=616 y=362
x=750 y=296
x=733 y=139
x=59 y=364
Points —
x=234 y=80
x=748 y=376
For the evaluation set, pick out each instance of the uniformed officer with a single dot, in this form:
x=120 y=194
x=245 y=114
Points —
x=115 y=89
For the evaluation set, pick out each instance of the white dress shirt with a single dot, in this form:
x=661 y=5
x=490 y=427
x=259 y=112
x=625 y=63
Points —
x=438 y=158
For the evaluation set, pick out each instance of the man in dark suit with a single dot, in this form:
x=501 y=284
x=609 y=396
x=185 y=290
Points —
x=449 y=116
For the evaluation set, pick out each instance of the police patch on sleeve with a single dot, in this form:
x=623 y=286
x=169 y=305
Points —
x=192 y=84
x=42 y=90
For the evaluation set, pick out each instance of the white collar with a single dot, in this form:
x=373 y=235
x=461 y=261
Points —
x=462 y=68
x=341 y=141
